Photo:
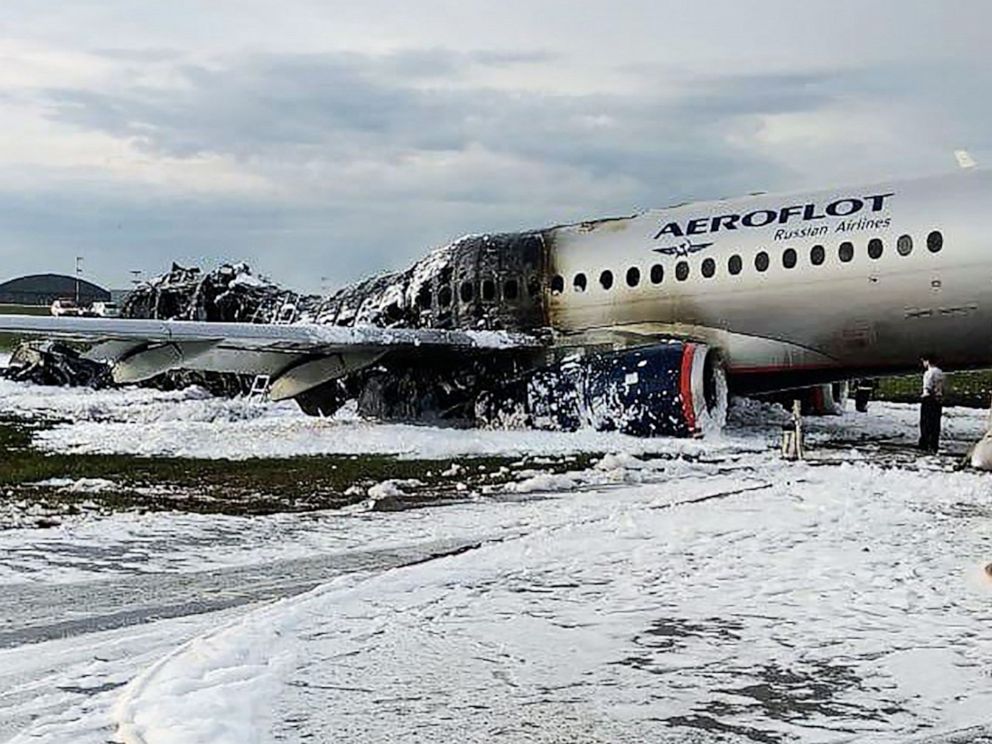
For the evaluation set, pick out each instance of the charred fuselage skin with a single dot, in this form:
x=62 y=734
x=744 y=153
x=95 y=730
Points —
x=489 y=283
x=486 y=282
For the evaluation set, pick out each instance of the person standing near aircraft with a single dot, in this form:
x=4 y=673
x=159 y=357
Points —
x=931 y=404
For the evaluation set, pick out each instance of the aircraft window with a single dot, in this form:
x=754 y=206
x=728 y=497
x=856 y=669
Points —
x=510 y=289
x=761 y=261
x=817 y=255
x=424 y=297
x=534 y=287
x=606 y=279
x=935 y=241
x=488 y=290
x=905 y=245
x=467 y=291
x=789 y=258
x=444 y=296
x=579 y=283
x=557 y=285
x=633 y=276
x=657 y=274
x=875 y=248
x=709 y=268
x=682 y=271
x=846 y=251
x=735 y=265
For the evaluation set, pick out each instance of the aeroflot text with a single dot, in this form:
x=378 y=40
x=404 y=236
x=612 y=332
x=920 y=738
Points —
x=765 y=217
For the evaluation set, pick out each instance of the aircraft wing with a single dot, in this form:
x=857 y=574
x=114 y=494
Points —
x=297 y=356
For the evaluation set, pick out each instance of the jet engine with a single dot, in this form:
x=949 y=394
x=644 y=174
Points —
x=671 y=389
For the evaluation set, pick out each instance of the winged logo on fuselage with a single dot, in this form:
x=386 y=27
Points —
x=685 y=248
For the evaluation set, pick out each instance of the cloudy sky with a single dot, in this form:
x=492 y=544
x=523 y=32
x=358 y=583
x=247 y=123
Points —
x=322 y=141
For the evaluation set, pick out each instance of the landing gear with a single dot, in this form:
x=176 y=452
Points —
x=863 y=392
x=323 y=400
x=827 y=400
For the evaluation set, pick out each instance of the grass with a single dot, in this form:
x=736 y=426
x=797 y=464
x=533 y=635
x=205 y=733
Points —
x=972 y=389
x=24 y=309
x=243 y=487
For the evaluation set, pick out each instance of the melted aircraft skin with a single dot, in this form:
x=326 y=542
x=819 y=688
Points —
x=482 y=282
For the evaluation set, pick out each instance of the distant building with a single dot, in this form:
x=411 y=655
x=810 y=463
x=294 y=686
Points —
x=118 y=295
x=44 y=289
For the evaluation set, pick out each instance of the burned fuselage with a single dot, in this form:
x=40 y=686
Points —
x=509 y=282
x=500 y=282
x=486 y=283
x=489 y=282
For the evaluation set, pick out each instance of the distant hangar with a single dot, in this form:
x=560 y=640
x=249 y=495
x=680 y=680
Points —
x=44 y=289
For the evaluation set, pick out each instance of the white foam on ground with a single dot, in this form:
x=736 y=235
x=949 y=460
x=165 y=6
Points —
x=64 y=690
x=134 y=406
x=131 y=543
x=835 y=602
x=191 y=423
x=215 y=687
x=615 y=616
x=79 y=485
x=292 y=436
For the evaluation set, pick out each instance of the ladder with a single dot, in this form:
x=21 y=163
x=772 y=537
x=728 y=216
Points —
x=260 y=387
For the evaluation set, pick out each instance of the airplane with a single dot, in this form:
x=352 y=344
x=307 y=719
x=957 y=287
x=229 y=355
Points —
x=642 y=324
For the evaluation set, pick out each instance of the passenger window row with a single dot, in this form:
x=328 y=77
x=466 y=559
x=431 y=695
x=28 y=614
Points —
x=467 y=292
x=762 y=262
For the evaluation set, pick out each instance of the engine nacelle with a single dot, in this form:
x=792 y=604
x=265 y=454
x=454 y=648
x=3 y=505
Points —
x=671 y=389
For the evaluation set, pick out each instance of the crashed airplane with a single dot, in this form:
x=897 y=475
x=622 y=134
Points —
x=639 y=324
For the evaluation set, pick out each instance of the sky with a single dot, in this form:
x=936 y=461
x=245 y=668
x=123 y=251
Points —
x=323 y=141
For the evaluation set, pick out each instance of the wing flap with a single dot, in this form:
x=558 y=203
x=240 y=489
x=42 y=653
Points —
x=311 y=373
x=159 y=358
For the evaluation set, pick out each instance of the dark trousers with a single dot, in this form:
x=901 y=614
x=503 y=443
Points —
x=930 y=411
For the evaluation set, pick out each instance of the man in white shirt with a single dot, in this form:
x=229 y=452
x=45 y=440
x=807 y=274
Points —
x=931 y=404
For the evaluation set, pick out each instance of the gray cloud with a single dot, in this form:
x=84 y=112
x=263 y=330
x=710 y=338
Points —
x=344 y=106
x=373 y=157
x=551 y=158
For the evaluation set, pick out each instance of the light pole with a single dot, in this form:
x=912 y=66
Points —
x=79 y=270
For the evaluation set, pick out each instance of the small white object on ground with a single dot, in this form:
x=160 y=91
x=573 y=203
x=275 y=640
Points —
x=981 y=455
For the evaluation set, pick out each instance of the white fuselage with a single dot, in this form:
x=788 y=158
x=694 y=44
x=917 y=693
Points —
x=876 y=312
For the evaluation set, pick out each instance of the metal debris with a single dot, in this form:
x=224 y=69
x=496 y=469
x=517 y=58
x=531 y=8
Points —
x=54 y=363
x=230 y=294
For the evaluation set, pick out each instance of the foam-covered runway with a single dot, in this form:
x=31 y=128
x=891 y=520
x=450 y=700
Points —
x=669 y=591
